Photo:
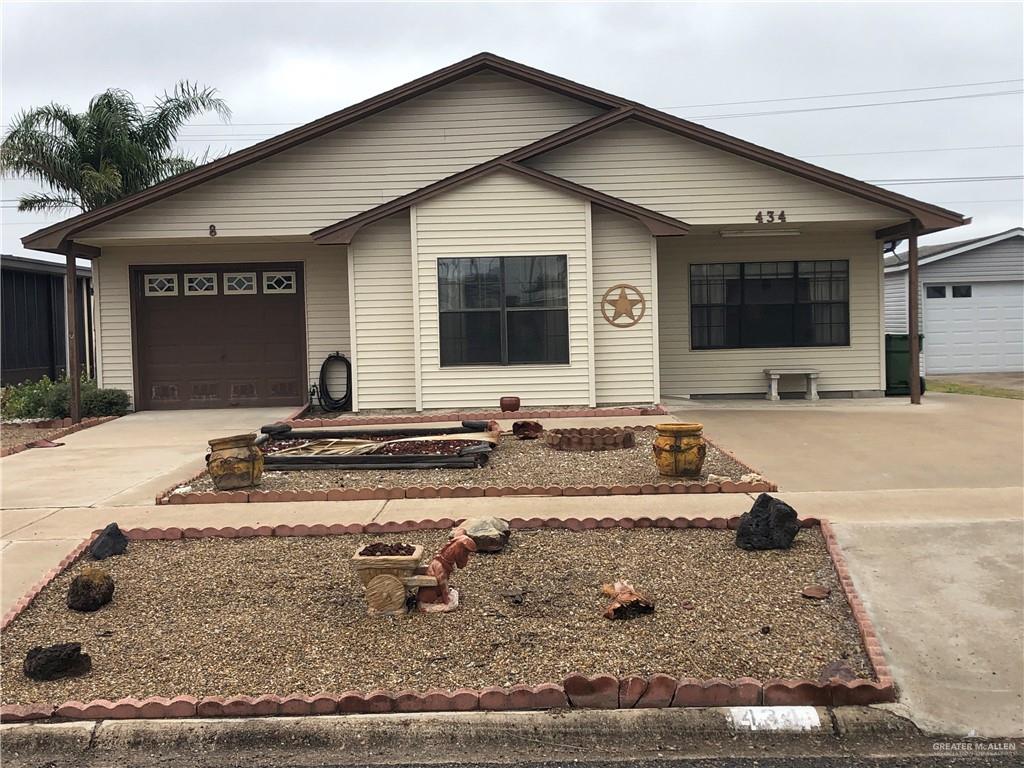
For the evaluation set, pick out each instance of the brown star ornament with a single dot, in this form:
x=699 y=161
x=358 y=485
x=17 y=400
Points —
x=624 y=301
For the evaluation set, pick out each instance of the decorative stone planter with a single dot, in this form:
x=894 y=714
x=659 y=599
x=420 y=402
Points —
x=235 y=462
x=509 y=403
x=679 y=449
x=589 y=439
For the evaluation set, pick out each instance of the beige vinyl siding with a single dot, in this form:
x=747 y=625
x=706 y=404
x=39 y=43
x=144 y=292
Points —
x=896 y=308
x=624 y=358
x=503 y=214
x=857 y=367
x=361 y=165
x=697 y=183
x=382 y=299
x=326 y=286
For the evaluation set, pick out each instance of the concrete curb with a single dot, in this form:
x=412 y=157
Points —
x=377 y=738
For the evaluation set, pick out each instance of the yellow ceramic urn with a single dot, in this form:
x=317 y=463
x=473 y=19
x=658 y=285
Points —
x=679 y=450
x=235 y=462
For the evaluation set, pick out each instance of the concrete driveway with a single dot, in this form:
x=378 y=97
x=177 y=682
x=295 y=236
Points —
x=123 y=462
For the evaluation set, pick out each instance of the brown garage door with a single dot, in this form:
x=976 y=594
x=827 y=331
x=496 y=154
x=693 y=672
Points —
x=219 y=335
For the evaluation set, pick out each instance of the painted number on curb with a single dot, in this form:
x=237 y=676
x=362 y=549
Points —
x=774 y=718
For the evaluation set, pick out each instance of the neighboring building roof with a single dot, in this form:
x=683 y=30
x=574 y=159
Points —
x=927 y=254
x=27 y=264
x=932 y=217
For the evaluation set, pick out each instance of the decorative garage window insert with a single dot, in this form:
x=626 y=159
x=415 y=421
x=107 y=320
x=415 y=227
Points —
x=503 y=311
x=769 y=304
x=161 y=285
x=279 y=282
x=201 y=284
x=239 y=283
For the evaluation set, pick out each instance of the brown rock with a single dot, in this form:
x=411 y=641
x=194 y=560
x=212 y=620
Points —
x=527 y=430
x=490 y=534
x=626 y=601
x=90 y=590
x=816 y=592
x=836 y=670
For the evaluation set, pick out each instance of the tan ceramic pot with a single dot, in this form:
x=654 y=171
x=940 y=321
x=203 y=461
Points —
x=679 y=450
x=235 y=462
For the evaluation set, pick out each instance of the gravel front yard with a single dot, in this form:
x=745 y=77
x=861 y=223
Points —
x=18 y=434
x=515 y=462
x=283 y=615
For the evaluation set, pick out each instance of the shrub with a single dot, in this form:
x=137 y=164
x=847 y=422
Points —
x=104 y=402
x=27 y=400
x=45 y=399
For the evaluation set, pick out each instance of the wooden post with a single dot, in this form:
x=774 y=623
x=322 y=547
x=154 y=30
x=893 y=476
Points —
x=71 y=314
x=914 y=297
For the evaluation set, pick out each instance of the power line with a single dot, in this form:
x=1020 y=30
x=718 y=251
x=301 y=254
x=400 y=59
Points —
x=838 y=95
x=856 y=106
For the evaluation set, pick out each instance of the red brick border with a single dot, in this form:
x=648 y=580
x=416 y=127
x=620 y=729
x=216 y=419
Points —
x=69 y=428
x=602 y=691
x=464 y=491
x=297 y=421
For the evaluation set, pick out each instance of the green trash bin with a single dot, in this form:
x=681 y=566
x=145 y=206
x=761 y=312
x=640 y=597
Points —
x=897 y=363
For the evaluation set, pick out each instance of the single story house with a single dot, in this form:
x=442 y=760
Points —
x=492 y=229
x=971 y=302
x=32 y=305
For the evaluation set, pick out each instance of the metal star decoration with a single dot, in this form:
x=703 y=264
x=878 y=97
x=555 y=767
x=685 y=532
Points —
x=623 y=305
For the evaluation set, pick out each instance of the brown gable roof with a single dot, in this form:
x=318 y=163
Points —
x=658 y=224
x=932 y=217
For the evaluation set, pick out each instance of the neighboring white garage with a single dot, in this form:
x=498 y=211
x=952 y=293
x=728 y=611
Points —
x=972 y=303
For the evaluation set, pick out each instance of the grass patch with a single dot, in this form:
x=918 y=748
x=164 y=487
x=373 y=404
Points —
x=957 y=388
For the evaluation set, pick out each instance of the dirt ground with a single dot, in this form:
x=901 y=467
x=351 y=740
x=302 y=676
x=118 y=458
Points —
x=283 y=615
x=17 y=434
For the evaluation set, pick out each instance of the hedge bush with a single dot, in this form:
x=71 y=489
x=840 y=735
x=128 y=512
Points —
x=46 y=399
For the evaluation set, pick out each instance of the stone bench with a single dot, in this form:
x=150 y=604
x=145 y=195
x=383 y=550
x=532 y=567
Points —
x=773 y=374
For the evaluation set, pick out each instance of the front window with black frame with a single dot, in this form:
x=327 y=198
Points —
x=511 y=310
x=770 y=304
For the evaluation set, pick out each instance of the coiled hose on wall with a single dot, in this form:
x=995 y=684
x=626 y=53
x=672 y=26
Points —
x=323 y=393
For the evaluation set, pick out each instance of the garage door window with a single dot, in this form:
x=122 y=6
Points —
x=961 y=291
x=161 y=285
x=279 y=282
x=935 y=292
x=239 y=283
x=201 y=284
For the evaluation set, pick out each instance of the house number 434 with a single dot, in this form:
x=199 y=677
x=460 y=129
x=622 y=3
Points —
x=770 y=217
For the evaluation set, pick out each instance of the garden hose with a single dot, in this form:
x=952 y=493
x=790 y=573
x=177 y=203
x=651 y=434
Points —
x=327 y=402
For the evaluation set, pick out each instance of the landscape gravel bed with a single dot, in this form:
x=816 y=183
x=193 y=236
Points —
x=515 y=462
x=282 y=615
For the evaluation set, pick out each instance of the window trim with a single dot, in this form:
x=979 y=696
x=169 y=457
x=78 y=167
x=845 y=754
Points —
x=172 y=276
x=795 y=303
x=190 y=292
x=271 y=274
x=502 y=311
x=228 y=291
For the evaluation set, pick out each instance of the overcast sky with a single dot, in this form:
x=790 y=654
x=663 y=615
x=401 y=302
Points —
x=281 y=64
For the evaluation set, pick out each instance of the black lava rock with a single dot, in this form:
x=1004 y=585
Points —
x=110 y=542
x=770 y=524
x=56 y=661
x=90 y=590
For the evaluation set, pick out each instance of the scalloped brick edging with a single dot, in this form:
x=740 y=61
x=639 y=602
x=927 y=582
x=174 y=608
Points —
x=464 y=491
x=601 y=691
x=69 y=429
x=589 y=438
x=297 y=421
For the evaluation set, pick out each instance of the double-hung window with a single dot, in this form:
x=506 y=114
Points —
x=769 y=304
x=508 y=310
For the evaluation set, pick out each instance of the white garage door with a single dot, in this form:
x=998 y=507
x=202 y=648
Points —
x=972 y=327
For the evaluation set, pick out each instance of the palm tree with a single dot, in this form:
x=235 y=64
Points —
x=115 y=148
